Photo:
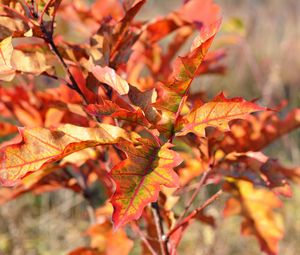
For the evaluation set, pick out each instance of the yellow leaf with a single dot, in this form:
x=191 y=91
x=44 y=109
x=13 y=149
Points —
x=40 y=146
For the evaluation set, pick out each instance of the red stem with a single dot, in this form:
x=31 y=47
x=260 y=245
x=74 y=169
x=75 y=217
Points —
x=194 y=195
x=195 y=212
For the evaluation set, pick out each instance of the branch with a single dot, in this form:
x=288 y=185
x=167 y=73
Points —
x=48 y=37
x=195 y=212
x=194 y=195
x=159 y=228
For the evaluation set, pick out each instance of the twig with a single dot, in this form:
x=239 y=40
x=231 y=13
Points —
x=137 y=229
x=48 y=37
x=194 y=213
x=194 y=195
x=58 y=79
x=44 y=11
x=70 y=75
x=19 y=15
x=159 y=228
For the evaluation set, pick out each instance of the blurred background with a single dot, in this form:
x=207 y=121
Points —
x=263 y=63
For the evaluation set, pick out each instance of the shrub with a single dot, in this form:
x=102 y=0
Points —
x=106 y=106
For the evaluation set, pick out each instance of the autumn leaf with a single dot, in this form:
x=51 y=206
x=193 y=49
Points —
x=144 y=100
x=109 y=108
x=29 y=62
x=260 y=170
x=46 y=180
x=200 y=12
x=7 y=129
x=139 y=177
x=217 y=113
x=108 y=241
x=186 y=69
x=40 y=146
x=259 y=131
x=257 y=206
x=7 y=72
x=14 y=60
x=85 y=251
x=109 y=76
x=192 y=13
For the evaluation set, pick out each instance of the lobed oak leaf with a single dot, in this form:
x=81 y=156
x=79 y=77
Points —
x=7 y=72
x=139 y=177
x=11 y=27
x=125 y=35
x=217 y=113
x=259 y=131
x=109 y=76
x=40 y=146
x=111 y=109
x=197 y=13
x=47 y=180
x=108 y=241
x=200 y=12
x=260 y=170
x=144 y=100
x=257 y=207
x=14 y=60
x=185 y=70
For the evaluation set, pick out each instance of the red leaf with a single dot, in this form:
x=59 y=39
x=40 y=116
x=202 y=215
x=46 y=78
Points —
x=186 y=69
x=257 y=206
x=111 y=109
x=41 y=146
x=218 y=113
x=139 y=177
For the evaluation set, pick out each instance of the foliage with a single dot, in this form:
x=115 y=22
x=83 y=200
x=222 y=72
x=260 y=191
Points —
x=114 y=108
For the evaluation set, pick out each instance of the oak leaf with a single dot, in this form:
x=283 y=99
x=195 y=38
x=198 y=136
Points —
x=186 y=68
x=217 y=113
x=40 y=146
x=108 y=241
x=257 y=207
x=139 y=177
x=7 y=72
x=109 y=76
x=111 y=109
x=259 y=131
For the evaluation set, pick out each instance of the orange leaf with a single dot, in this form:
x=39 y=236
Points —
x=105 y=240
x=111 y=109
x=186 y=68
x=7 y=129
x=85 y=251
x=109 y=76
x=40 y=146
x=257 y=207
x=218 y=113
x=139 y=177
x=259 y=131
